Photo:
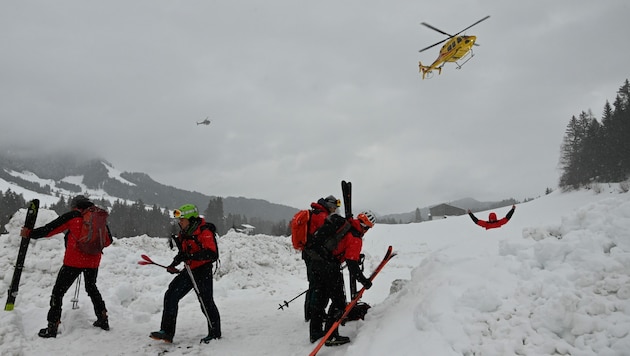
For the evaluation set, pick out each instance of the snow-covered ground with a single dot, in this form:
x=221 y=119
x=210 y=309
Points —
x=554 y=281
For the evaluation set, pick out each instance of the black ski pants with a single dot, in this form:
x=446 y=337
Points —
x=179 y=287
x=326 y=284
x=66 y=276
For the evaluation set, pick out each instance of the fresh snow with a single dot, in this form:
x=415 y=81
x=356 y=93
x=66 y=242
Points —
x=57 y=192
x=554 y=281
x=116 y=174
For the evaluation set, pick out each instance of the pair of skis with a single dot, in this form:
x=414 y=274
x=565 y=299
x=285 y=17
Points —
x=31 y=217
x=388 y=256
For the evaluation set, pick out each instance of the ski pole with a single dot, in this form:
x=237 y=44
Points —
x=286 y=304
x=75 y=300
x=146 y=260
x=196 y=288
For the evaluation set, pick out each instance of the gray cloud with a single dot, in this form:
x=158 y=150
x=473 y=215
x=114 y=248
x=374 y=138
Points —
x=302 y=95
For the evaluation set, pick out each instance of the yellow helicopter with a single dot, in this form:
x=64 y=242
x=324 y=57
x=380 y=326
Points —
x=455 y=49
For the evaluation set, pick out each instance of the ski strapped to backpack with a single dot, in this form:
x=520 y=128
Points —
x=346 y=191
x=95 y=235
x=331 y=233
x=299 y=229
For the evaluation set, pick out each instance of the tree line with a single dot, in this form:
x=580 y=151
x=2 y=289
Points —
x=10 y=202
x=598 y=151
x=134 y=219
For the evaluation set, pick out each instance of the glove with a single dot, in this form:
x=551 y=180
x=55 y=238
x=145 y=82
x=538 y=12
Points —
x=172 y=270
x=25 y=232
x=179 y=258
x=366 y=282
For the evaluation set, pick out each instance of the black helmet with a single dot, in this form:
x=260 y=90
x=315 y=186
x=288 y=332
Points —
x=331 y=203
x=80 y=202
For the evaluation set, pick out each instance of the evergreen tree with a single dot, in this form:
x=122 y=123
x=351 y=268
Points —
x=570 y=158
x=418 y=216
x=214 y=214
x=118 y=219
x=61 y=206
x=592 y=149
x=139 y=221
x=594 y=152
x=622 y=110
x=10 y=202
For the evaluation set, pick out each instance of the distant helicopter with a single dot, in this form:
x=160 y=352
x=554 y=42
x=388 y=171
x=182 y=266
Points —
x=204 y=122
x=456 y=48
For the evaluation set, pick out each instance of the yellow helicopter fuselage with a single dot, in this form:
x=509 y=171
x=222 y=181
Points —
x=453 y=50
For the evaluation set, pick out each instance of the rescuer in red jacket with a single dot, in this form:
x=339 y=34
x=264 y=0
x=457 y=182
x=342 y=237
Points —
x=319 y=212
x=492 y=222
x=75 y=262
x=198 y=249
x=327 y=276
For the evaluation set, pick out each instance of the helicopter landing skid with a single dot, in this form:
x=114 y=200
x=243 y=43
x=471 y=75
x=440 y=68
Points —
x=459 y=66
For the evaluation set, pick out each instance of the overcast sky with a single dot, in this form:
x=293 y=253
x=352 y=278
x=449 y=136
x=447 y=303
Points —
x=303 y=94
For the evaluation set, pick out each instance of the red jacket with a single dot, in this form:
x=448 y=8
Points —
x=492 y=222
x=200 y=247
x=349 y=248
x=70 y=222
x=318 y=217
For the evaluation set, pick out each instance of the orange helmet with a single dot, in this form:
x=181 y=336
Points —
x=367 y=218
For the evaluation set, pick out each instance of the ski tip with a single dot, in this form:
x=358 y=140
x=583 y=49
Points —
x=9 y=307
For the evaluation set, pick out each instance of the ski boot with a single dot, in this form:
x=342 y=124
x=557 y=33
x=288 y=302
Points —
x=336 y=340
x=49 y=331
x=212 y=334
x=161 y=335
x=102 y=321
x=316 y=333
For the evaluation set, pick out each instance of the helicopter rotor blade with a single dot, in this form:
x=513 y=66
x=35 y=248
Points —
x=436 y=29
x=447 y=34
x=433 y=45
x=483 y=19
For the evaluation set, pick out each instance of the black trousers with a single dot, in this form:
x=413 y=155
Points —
x=66 y=276
x=179 y=287
x=325 y=284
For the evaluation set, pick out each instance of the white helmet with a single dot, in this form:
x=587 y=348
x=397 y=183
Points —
x=367 y=218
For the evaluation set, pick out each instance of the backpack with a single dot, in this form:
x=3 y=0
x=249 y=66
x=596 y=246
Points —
x=299 y=229
x=209 y=226
x=95 y=234
x=332 y=232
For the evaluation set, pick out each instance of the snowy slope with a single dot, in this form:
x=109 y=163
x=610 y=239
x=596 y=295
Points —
x=554 y=280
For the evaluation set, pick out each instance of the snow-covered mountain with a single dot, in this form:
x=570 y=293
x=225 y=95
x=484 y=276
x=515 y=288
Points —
x=555 y=280
x=52 y=176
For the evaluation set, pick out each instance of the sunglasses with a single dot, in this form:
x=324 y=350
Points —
x=178 y=214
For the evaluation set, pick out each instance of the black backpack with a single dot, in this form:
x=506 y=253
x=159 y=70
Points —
x=207 y=226
x=210 y=226
x=328 y=236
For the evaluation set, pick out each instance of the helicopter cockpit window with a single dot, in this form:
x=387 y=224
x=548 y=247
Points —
x=459 y=39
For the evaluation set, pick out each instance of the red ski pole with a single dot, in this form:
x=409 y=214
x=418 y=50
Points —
x=146 y=260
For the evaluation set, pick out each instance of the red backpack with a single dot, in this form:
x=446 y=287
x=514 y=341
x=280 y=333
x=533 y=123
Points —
x=95 y=234
x=299 y=229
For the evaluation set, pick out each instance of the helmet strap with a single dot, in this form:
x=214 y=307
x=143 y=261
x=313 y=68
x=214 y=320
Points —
x=192 y=226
